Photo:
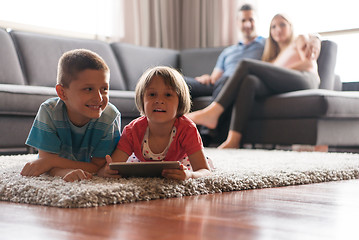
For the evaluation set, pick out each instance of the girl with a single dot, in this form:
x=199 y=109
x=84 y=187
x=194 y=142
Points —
x=289 y=65
x=162 y=133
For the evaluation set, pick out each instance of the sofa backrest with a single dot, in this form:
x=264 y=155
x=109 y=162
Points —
x=198 y=61
x=39 y=55
x=326 y=64
x=10 y=68
x=134 y=60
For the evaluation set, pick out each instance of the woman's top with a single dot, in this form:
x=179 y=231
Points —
x=294 y=56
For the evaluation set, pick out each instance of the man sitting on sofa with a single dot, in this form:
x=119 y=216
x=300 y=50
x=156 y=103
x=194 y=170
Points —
x=251 y=46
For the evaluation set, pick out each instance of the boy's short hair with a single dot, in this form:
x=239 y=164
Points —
x=75 y=61
x=171 y=78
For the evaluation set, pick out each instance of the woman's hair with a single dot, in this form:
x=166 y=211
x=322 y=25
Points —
x=172 y=78
x=271 y=48
x=75 y=61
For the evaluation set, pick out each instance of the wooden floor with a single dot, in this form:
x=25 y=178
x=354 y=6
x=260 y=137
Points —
x=316 y=211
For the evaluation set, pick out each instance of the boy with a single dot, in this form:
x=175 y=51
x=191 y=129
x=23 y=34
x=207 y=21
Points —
x=74 y=131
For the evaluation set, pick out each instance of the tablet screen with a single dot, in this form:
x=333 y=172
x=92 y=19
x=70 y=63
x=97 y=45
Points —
x=143 y=169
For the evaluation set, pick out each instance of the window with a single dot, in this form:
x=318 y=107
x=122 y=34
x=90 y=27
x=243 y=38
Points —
x=86 y=18
x=334 y=20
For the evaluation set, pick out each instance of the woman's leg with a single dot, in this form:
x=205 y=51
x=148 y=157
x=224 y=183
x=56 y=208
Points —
x=266 y=80
x=229 y=92
x=251 y=88
x=233 y=140
x=217 y=87
x=209 y=116
x=276 y=79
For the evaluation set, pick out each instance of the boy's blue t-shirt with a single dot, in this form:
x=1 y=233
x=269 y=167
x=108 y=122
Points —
x=53 y=132
x=228 y=60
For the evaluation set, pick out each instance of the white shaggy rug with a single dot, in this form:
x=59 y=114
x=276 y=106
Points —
x=235 y=170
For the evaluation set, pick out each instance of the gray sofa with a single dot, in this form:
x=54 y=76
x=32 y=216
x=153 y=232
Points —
x=28 y=64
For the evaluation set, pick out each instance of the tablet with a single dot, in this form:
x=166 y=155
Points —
x=143 y=169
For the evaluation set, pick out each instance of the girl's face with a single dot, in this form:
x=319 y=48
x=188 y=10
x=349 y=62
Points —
x=160 y=102
x=280 y=30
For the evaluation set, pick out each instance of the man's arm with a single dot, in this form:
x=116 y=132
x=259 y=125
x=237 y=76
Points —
x=46 y=161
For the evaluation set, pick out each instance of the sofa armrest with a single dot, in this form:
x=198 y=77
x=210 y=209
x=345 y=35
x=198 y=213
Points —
x=326 y=64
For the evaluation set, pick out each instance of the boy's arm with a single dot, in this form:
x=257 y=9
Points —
x=46 y=161
x=70 y=175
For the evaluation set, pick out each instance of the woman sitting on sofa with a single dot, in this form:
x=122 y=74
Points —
x=289 y=64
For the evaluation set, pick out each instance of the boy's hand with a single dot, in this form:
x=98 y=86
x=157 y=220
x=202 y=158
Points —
x=105 y=171
x=70 y=175
x=77 y=175
x=36 y=168
x=180 y=174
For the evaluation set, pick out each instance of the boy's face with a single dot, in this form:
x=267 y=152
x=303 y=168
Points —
x=86 y=97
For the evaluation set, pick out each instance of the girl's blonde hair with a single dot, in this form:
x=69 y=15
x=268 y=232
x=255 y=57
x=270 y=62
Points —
x=172 y=78
x=271 y=48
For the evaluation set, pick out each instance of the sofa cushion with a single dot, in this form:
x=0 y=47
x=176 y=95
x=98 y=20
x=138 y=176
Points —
x=198 y=61
x=39 y=55
x=312 y=131
x=26 y=100
x=10 y=69
x=23 y=100
x=313 y=103
x=134 y=60
x=125 y=103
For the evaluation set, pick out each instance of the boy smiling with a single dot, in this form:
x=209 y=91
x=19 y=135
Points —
x=74 y=131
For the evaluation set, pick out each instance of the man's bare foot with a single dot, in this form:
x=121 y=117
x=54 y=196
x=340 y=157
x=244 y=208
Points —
x=204 y=118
